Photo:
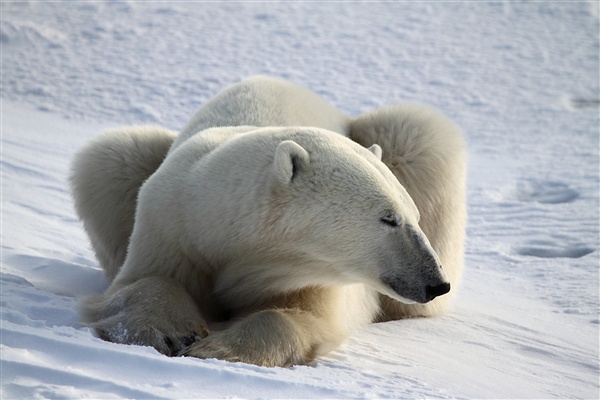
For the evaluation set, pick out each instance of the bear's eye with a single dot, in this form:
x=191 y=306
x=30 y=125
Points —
x=391 y=220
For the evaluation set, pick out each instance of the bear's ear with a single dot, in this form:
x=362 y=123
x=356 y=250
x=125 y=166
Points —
x=290 y=158
x=376 y=149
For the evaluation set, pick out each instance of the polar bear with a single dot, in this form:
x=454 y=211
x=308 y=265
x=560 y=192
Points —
x=272 y=220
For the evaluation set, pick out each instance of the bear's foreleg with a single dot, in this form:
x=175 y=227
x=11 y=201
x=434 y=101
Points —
x=152 y=311
x=270 y=338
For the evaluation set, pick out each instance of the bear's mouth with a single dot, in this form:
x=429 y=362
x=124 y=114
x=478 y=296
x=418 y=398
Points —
x=391 y=288
x=405 y=293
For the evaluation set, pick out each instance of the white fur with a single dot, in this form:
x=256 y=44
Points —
x=426 y=152
x=265 y=101
x=288 y=231
x=107 y=174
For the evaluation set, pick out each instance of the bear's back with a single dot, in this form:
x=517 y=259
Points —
x=265 y=101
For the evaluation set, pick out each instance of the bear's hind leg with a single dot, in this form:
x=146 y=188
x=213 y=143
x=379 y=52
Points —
x=106 y=177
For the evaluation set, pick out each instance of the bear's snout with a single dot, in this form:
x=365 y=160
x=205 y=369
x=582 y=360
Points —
x=431 y=292
x=408 y=293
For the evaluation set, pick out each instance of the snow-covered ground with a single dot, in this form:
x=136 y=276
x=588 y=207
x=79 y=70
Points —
x=521 y=78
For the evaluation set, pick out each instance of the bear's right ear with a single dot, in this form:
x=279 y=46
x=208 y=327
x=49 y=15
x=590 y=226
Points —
x=290 y=158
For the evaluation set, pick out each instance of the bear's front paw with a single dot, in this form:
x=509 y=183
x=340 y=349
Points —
x=268 y=338
x=168 y=340
x=152 y=311
x=222 y=347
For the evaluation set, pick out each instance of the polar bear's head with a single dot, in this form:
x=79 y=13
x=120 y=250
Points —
x=306 y=206
x=349 y=211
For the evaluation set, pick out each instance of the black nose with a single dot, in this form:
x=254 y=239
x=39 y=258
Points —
x=431 y=292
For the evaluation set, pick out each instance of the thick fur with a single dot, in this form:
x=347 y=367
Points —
x=106 y=177
x=426 y=152
x=265 y=101
x=290 y=272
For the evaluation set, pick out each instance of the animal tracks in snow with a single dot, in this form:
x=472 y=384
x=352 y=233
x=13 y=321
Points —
x=552 y=250
x=581 y=103
x=545 y=192
x=548 y=194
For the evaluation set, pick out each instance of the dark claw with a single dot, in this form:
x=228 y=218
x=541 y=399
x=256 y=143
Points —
x=188 y=340
x=171 y=346
x=179 y=346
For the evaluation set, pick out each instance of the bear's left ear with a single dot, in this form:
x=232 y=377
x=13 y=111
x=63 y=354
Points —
x=376 y=149
x=290 y=158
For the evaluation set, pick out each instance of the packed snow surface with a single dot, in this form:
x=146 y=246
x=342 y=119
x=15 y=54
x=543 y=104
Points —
x=521 y=79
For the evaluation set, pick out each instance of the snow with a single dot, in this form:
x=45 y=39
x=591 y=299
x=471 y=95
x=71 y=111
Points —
x=521 y=79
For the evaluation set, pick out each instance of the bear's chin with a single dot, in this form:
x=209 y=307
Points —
x=402 y=299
